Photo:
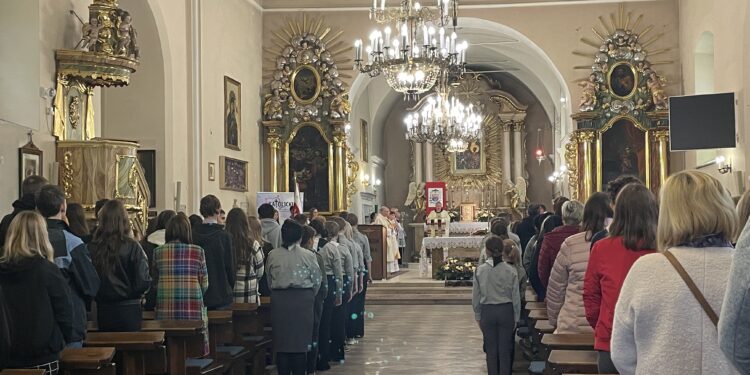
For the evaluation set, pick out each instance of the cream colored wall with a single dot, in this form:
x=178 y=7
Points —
x=231 y=42
x=729 y=21
x=55 y=29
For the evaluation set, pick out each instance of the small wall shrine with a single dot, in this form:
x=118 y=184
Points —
x=305 y=115
x=623 y=111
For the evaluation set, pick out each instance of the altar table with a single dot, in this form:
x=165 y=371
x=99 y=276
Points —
x=463 y=228
x=463 y=247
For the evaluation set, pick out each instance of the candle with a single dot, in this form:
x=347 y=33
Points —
x=404 y=36
x=382 y=5
x=453 y=42
x=441 y=32
x=387 y=36
x=358 y=50
x=425 y=36
x=374 y=4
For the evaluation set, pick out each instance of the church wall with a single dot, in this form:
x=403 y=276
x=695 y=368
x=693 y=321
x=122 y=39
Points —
x=43 y=26
x=729 y=21
x=397 y=155
x=231 y=44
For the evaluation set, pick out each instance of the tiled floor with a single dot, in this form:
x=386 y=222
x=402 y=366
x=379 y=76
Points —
x=417 y=340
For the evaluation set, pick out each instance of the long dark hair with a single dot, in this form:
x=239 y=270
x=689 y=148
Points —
x=238 y=228
x=161 y=221
x=77 y=220
x=596 y=211
x=636 y=217
x=112 y=232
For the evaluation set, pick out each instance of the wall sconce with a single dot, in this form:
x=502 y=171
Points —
x=375 y=185
x=720 y=160
x=365 y=180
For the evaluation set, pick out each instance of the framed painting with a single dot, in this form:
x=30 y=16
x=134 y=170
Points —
x=622 y=150
x=29 y=162
x=232 y=114
x=211 y=171
x=469 y=162
x=309 y=160
x=305 y=84
x=232 y=174
x=363 y=136
x=623 y=80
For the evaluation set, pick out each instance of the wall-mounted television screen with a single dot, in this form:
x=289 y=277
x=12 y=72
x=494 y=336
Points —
x=699 y=122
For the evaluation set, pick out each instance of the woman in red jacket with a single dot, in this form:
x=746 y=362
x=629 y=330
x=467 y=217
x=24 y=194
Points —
x=632 y=235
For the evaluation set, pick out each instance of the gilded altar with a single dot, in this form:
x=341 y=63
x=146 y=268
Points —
x=305 y=117
x=622 y=123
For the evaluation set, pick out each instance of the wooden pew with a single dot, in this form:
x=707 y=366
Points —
x=249 y=332
x=21 y=372
x=134 y=348
x=535 y=306
x=583 y=341
x=538 y=314
x=530 y=295
x=221 y=334
x=87 y=361
x=572 y=361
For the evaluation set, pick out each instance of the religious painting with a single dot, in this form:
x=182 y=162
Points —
x=363 y=136
x=436 y=194
x=623 y=151
x=309 y=163
x=470 y=161
x=232 y=114
x=305 y=84
x=232 y=174
x=623 y=80
x=211 y=171
x=29 y=162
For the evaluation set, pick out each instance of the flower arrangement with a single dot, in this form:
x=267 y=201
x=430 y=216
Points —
x=484 y=216
x=457 y=269
x=455 y=214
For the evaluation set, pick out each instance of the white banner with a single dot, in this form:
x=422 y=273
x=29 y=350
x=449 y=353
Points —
x=281 y=201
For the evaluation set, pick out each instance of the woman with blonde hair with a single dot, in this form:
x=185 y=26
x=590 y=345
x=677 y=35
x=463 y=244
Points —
x=743 y=209
x=35 y=298
x=670 y=302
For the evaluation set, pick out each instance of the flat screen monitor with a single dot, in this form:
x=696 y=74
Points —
x=699 y=122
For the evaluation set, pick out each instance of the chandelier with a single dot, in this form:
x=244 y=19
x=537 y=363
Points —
x=418 y=51
x=446 y=122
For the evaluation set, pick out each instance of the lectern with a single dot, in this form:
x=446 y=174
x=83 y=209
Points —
x=376 y=235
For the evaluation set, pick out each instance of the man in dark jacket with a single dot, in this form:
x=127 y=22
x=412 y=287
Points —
x=217 y=246
x=29 y=187
x=71 y=256
x=525 y=229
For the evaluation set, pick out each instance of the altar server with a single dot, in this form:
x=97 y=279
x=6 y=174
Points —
x=294 y=278
x=497 y=307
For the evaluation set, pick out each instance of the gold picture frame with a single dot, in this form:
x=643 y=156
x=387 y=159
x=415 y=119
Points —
x=302 y=80
x=232 y=174
x=232 y=114
x=211 y=171
x=626 y=80
x=600 y=185
x=469 y=162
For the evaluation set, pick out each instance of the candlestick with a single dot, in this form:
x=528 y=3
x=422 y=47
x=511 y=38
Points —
x=441 y=33
x=358 y=50
x=388 y=36
x=382 y=5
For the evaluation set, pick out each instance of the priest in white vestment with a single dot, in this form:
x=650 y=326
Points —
x=441 y=216
x=392 y=254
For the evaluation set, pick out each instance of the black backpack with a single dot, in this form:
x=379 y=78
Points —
x=263 y=288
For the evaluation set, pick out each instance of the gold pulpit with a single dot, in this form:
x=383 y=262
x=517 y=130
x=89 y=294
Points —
x=103 y=168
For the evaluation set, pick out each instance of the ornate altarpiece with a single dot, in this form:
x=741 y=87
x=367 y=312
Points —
x=92 y=168
x=305 y=116
x=483 y=174
x=623 y=112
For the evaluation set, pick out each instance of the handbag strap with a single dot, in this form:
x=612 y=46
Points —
x=693 y=288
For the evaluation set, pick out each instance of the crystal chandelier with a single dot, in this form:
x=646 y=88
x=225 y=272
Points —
x=418 y=51
x=446 y=122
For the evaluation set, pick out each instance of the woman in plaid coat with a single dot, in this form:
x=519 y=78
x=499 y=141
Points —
x=182 y=276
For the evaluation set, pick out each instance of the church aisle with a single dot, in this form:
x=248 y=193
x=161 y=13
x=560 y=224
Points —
x=417 y=340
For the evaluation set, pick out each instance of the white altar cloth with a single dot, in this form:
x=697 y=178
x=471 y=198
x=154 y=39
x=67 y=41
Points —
x=464 y=228
x=444 y=243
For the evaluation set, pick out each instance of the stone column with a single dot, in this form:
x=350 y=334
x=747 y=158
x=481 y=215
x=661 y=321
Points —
x=428 y=173
x=418 y=170
x=506 y=151
x=340 y=167
x=662 y=137
x=518 y=147
x=274 y=143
